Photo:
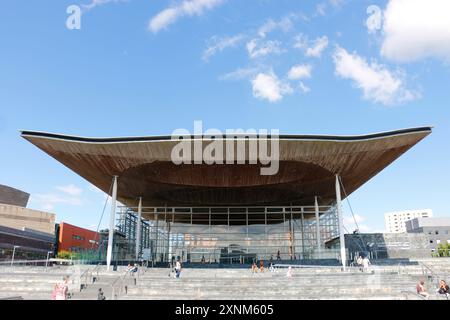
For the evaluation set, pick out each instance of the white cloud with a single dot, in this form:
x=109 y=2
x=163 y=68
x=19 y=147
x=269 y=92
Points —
x=186 y=8
x=70 y=190
x=350 y=225
x=318 y=46
x=303 y=88
x=348 y=219
x=267 y=86
x=337 y=3
x=300 y=71
x=285 y=24
x=240 y=73
x=321 y=8
x=258 y=49
x=313 y=48
x=377 y=82
x=217 y=44
x=93 y=188
x=49 y=200
x=416 y=29
x=96 y=3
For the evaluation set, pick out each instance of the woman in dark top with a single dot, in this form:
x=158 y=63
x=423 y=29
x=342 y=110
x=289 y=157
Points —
x=443 y=287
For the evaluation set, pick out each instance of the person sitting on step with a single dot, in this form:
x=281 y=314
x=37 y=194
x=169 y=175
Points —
x=421 y=290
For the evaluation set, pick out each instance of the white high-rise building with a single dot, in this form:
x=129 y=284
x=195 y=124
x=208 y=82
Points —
x=396 y=221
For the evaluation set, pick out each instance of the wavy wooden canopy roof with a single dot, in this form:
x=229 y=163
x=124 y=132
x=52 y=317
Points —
x=308 y=164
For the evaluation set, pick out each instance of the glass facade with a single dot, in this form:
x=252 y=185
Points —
x=231 y=235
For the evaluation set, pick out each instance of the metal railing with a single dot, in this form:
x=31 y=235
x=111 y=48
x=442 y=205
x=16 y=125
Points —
x=412 y=293
x=430 y=274
x=120 y=284
x=12 y=298
x=24 y=262
x=402 y=269
x=87 y=277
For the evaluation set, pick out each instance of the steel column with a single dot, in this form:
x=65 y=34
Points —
x=303 y=231
x=112 y=220
x=316 y=204
x=341 y=222
x=138 y=231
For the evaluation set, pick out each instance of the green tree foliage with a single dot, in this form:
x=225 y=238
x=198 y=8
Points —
x=444 y=249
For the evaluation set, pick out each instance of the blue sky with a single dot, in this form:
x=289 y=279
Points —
x=142 y=67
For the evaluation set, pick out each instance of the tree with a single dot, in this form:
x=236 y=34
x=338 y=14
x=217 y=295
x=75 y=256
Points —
x=444 y=249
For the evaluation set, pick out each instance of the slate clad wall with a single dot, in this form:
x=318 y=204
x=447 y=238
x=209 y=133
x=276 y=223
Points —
x=13 y=196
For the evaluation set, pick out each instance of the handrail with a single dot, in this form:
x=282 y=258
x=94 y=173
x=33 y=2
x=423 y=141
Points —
x=85 y=275
x=121 y=280
x=18 y=262
x=88 y=276
x=402 y=267
x=434 y=275
x=12 y=298
x=408 y=292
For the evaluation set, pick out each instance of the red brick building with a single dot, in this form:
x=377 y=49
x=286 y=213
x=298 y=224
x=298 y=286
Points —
x=73 y=238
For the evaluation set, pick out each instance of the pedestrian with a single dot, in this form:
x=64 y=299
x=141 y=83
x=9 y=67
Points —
x=60 y=290
x=359 y=262
x=271 y=269
x=261 y=265
x=365 y=264
x=254 y=268
x=278 y=256
x=100 y=295
x=289 y=272
x=178 y=269
x=443 y=288
x=420 y=288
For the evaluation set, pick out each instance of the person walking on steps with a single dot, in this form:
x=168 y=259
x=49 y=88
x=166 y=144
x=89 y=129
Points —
x=178 y=268
x=101 y=295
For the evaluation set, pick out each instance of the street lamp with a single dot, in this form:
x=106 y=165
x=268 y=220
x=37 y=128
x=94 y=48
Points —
x=46 y=262
x=14 y=252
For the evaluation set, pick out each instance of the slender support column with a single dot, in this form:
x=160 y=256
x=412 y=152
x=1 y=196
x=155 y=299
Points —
x=293 y=233
x=247 y=239
x=291 y=253
x=112 y=221
x=138 y=230
x=265 y=231
x=303 y=231
x=156 y=236
x=317 y=225
x=168 y=242
x=341 y=222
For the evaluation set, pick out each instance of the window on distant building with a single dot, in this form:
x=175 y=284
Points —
x=437 y=232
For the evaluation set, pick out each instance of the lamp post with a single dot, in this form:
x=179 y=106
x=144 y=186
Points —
x=46 y=261
x=14 y=252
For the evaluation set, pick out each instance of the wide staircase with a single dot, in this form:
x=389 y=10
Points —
x=328 y=283
x=392 y=282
